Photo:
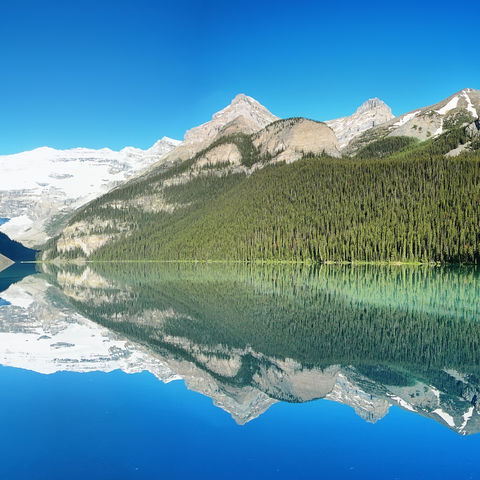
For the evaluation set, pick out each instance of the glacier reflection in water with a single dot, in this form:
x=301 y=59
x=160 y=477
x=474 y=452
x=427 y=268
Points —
x=250 y=337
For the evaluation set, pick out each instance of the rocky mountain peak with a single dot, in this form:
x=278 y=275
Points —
x=164 y=145
x=241 y=97
x=255 y=117
x=457 y=110
x=371 y=113
x=373 y=104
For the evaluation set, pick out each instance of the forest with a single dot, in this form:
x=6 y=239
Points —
x=395 y=201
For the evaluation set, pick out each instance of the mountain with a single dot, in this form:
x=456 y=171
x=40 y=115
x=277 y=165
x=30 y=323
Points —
x=40 y=188
x=244 y=115
x=459 y=109
x=229 y=194
x=245 y=111
x=43 y=187
x=241 y=139
x=231 y=202
x=371 y=113
x=4 y=262
x=15 y=251
x=291 y=139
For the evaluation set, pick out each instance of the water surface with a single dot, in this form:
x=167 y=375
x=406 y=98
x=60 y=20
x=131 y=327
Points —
x=216 y=371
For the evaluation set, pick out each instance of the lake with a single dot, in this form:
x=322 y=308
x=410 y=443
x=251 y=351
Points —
x=145 y=371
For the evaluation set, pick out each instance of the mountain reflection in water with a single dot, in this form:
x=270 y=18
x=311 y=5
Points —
x=250 y=336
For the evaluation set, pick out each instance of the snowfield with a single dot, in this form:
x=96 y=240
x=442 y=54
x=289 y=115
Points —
x=37 y=185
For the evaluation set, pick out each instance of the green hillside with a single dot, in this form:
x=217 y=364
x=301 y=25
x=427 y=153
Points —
x=396 y=201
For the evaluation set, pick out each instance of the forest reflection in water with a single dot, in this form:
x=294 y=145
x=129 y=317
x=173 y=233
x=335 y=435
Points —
x=250 y=336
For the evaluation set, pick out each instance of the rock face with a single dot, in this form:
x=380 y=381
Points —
x=250 y=115
x=473 y=133
x=428 y=122
x=4 y=262
x=290 y=139
x=473 y=130
x=40 y=186
x=243 y=115
x=371 y=113
x=227 y=153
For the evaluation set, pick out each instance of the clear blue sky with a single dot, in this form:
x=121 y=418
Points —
x=99 y=73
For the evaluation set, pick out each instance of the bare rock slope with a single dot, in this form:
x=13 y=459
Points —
x=371 y=113
x=243 y=115
x=290 y=139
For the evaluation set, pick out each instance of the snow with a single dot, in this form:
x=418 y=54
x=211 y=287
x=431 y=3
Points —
x=406 y=118
x=16 y=226
x=17 y=297
x=470 y=106
x=39 y=336
x=439 y=130
x=38 y=184
x=445 y=416
x=449 y=106
x=403 y=403
x=466 y=417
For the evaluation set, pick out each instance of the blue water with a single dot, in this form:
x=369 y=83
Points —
x=15 y=273
x=120 y=426
x=259 y=341
x=3 y=220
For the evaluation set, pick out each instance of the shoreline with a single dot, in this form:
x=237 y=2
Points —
x=255 y=262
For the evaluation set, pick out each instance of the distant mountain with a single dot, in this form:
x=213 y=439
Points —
x=39 y=188
x=371 y=113
x=461 y=108
x=15 y=251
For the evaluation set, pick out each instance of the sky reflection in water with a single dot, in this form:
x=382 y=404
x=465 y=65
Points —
x=197 y=323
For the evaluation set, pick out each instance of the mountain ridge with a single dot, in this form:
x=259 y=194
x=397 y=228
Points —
x=461 y=108
x=239 y=141
x=369 y=114
x=43 y=184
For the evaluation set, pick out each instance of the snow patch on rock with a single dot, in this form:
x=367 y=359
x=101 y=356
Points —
x=449 y=106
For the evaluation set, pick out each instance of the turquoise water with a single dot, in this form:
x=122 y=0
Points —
x=238 y=372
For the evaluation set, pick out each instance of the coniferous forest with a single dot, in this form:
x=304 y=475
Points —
x=395 y=201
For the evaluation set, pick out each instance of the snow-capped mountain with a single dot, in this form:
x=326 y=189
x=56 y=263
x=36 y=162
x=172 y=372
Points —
x=371 y=113
x=423 y=123
x=42 y=185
